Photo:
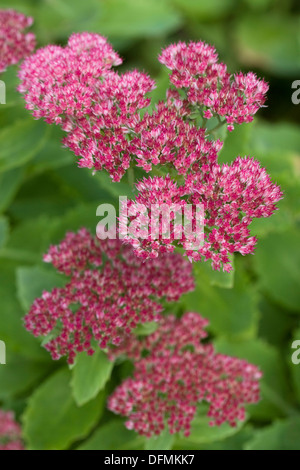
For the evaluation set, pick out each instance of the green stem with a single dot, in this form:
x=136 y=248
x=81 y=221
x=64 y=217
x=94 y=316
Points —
x=130 y=174
x=221 y=123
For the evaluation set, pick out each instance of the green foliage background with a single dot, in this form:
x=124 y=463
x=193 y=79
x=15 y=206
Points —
x=254 y=313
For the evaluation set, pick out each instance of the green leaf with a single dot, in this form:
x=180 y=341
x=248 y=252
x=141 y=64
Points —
x=12 y=331
x=131 y=19
x=4 y=229
x=237 y=143
x=83 y=215
x=90 y=375
x=162 y=442
x=57 y=19
x=113 y=436
x=275 y=323
x=211 y=10
x=281 y=435
x=53 y=155
x=277 y=262
x=232 y=312
x=124 y=19
x=12 y=97
x=160 y=92
x=146 y=329
x=216 y=278
x=273 y=47
x=233 y=442
x=115 y=189
x=274 y=383
x=203 y=433
x=32 y=281
x=275 y=137
x=20 y=374
x=82 y=185
x=32 y=238
x=10 y=181
x=10 y=78
x=24 y=6
x=20 y=142
x=41 y=194
x=52 y=420
x=29 y=240
x=283 y=165
x=259 y=4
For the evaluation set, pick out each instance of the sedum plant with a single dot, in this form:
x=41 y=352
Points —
x=115 y=288
x=76 y=88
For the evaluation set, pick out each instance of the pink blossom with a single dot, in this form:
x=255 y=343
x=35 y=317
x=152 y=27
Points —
x=76 y=87
x=10 y=432
x=99 y=109
x=174 y=372
x=195 y=68
x=109 y=292
x=61 y=82
x=166 y=137
x=102 y=140
x=231 y=197
x=14 y=43
x=153 y=193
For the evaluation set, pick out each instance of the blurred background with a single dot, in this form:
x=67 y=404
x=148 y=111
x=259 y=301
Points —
x=255 y=311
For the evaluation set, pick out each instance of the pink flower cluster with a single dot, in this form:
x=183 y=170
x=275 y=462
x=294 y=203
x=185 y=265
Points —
x=174 y=371
x=109 y=293
x=14 y=43
x=10 y=432
x=99 y=109
x=166 y=137
x=231 y=196
x=76 y=87
x=195 y=68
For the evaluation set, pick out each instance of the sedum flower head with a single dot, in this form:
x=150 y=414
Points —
x=76 y=87
x=173 y=372
x=231 y=196
x=101 y=139
x=99 y=109
x=196 y=69
x=109 y=292
x=166 y=137
x=14 y=43
x=10 y=432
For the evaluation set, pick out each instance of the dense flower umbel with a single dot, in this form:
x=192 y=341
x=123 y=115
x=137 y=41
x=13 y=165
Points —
x=76 y=87
x=14 y=43
x=99 y=109
x=109 y=293
x=10 y=432
x=176 y=374
x=64 y=81
x=167 y=137
x=231 y=196
x=101 y=140
x=196 y=69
